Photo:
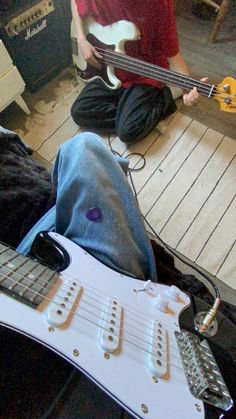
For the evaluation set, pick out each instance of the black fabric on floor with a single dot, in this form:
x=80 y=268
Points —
x=26 y=191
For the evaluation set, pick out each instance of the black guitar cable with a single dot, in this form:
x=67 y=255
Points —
x=206 y=318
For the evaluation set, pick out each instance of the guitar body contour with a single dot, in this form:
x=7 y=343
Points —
x=99 y=321
x=111 y=37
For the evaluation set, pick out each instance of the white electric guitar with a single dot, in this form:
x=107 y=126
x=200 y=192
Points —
x=110 y=43
x=123 y=333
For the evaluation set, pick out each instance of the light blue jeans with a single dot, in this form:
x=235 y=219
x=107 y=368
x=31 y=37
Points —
x=96 y=208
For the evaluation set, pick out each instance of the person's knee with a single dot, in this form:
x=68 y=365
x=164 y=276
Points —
x=76 y=112
x=81 y=143
x=129 y=136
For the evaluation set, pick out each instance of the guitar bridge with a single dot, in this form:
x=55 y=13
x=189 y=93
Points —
x=202 y=373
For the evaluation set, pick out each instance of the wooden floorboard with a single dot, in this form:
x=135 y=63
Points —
x=187 y=185
x=50 y=147
x=187 y=213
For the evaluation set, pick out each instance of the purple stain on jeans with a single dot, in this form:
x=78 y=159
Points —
x=94 y=214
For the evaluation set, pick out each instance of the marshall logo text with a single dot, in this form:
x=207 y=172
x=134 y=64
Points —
x=33 y=31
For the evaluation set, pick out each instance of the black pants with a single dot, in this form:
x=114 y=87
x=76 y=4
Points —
x=129 y=113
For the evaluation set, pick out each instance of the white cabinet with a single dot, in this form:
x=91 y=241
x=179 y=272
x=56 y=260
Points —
x=11 y=83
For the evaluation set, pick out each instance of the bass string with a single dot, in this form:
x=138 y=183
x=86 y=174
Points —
x=165 y=74
x=156 y=74
x=93 y=322
x=206 y=89
x=136 y=64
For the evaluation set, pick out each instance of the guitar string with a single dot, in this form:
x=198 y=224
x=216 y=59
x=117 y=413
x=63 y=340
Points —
x=171 y=77
x=98 y=325
x=177 y=366
x=48 y=290
x=102 y=296
x=174 y=349
x=95 y=307
x=144 y=69
x=118 y=58
x=94 y=291
x=124 y=58
x=205 y=88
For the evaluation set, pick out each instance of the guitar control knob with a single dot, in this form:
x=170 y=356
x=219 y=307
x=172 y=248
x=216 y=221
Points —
x=161 y=303
x=173 y=293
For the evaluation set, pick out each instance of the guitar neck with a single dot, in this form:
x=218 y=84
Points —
x=154 y=72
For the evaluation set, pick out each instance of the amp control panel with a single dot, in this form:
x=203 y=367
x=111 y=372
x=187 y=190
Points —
x=25 y=19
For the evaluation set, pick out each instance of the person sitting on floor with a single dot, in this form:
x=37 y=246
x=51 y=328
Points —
x=134 y=109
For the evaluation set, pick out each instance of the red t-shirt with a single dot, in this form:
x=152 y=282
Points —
x=156 y=22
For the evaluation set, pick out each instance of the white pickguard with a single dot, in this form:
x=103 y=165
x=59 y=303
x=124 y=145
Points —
x=116 y=34
x=123 y=369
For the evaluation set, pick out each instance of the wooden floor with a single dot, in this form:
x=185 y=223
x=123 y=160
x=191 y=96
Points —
x=186 y=192
x=187 y=188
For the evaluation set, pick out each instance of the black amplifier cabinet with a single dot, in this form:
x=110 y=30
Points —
x=37 y=37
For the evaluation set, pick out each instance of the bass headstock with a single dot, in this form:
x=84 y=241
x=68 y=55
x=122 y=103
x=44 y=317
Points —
x=225 y=93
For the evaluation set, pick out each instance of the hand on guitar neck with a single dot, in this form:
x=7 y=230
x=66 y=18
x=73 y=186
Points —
x=178 y=65
x=192 y=98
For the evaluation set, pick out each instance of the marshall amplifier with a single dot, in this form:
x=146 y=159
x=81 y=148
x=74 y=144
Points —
x=37 y=37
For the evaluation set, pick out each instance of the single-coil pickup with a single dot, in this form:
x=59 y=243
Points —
x=61 y=308
x=111 y=326
x=158 y=350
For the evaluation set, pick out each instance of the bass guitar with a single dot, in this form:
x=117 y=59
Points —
x=125 y=334
x=110 y=43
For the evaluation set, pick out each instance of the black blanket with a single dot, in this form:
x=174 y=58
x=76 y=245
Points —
x=26 y=191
